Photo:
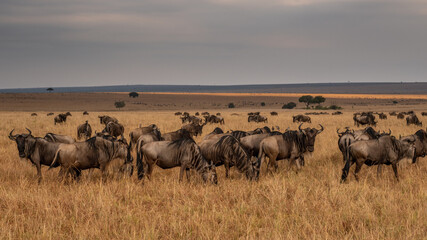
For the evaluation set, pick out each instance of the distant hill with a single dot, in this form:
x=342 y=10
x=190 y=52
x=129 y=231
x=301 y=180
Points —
x=354 y=88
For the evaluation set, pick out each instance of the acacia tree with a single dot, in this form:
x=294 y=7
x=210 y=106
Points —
x=307 y=99
x=119 y=104
x=319 y=99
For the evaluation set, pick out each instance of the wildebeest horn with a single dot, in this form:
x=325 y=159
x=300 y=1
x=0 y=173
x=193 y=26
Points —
x=389 y=131
x=12 y=137
x=338 y=131
x=29 y=131
x=321 y=130
x=299 y=127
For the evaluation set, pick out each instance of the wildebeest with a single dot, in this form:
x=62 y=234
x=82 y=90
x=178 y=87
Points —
x=257 y=118
x=85 y=113
x=182 y=153
x=224 y=149
x=175 y=135
x=191 y=119
x=34 y=114
x=366 y=134
x=61 y=118
x=384 y=150
x=37 y=150
x=84 y=130
x=51 y=137
x=136 y=133
x=337 y=113
x=424 y=114
x=107 y=119
x=382 y=116
x=274 y=114
x=420 y=141
x=252 y=142
x=214 y=119
x=218 y=114
x=178 y=113
x=95 y=152
x=345 y=139
x=197 y=114
x=290 y=145
x=400 y=116
x=392 y=113
x=413 y=119
x=114 y=129
x=194 y=129
x=205 y=114
x=50 y=114
x=301 y=118
x=364 y=119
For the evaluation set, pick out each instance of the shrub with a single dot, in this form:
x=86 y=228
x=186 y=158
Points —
x=289 y=105
x=120 y=104
x=133 y=94
x=262 y=104
x=231 y=105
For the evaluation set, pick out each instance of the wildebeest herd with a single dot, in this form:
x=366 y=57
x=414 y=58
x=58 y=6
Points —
x=245 y=150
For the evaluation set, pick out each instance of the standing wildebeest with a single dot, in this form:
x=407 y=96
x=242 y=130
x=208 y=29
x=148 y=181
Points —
x=382 y=116
x=257 y=118
x=84 y=130
x=364 y=119
x=51 y=137
x=61 y=118
x=50 y=114
x=136 y=133
x=107 y=119
x=224 y=149
x=37 y=150
x=424 y=114
x=420 y=139
x=337 y=113
x=114 y=129
x=301 y=118
x=85 y=113
x=400 y=116
x=178 y=113
x=274 y=114
x=345 y=139
x=205 y=114
x=384 y=150
x=290 y=145
x=95 y=152
x=392 y=113
x=413 y=119
x=214 y=119
x=252 y=142
x=178 y=134
x=169 y=154
x=33 y=114
x=194 y=129
x=191 y=119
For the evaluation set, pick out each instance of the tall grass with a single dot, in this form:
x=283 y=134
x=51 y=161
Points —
x=309 y=205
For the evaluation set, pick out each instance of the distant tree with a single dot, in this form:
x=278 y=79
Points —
x=262 y=104
x=335 y=107
x=307 y=99
x=231 y=105
x=49 y=89
x=289 y=105
x=119 y=104
x=395 y=102
x=133 y=94
x=318 y=99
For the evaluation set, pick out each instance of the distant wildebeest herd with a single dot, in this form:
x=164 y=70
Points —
x=245 y=150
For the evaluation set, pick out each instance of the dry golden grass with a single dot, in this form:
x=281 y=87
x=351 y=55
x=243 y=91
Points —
x=309 y=205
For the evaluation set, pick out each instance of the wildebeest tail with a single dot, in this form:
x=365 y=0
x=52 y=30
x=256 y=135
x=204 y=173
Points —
x=139 y=164
x=346 y=168
x=55 y=159
x=261 y=154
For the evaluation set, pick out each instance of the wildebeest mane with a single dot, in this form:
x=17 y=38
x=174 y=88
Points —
x=298 y=138
x=371 y=132
x=421 y=134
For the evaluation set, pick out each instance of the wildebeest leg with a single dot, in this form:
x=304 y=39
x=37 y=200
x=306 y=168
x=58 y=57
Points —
x=39 y=172
x=379 y=171
x=227 y=168
x=181 y=173
x=272 y=161
x=394 y=165
x=187 y=173
x=103 y=168
x=149 y=169
x=356 y=171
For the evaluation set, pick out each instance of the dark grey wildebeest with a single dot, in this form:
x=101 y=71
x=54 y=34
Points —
x=224 y=149
x=104 y=119
x=61 y=118
x=52 y=137
x=301 y=118
x=364 y=119
x=257 y=118
x=413 y=119
x=84 y=130
x=37 y=150
x=137 y=132
x=182 y=153
x=420 y=139
x=194 y=129
x=96 y=152
x=252 y=142
x=384 y=150
x=290 y=145
x=344 y=140
x=175 y=135
x=114 y=129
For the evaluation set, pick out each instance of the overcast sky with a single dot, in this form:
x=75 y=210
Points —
x=109 y=42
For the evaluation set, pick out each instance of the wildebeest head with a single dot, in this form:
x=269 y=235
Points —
x=209 y=174
x=347 y=131
x=23 y=145
x=411 y=139
x=256 y=166
x=310 y=134
x=405 y=148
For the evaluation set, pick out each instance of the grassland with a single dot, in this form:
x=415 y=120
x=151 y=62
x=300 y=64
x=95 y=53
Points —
x=285 y=205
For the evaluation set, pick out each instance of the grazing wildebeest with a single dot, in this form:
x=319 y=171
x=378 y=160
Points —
x=384 y=150
x=50 y=114
x=84 y=130
x=257 y=118
x=136 y=133
x=175 y=135
x=223 y=149
x=34 y=114
x=301 y=118
x=214 y=119
x=95 y=152
x=364 y=119
x=107 y=119
x=37 y=150
x=413 y=119
x=85 y=113
x=51 y=137
x=61 y=118
x=114 y=129
x=194 y=129
x=169 y=154
x=274 y=114
x=400 y=116
x=290 y=145
x=345 y=139
x=420 y=139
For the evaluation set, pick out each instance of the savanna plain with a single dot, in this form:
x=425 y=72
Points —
x=312 y=204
